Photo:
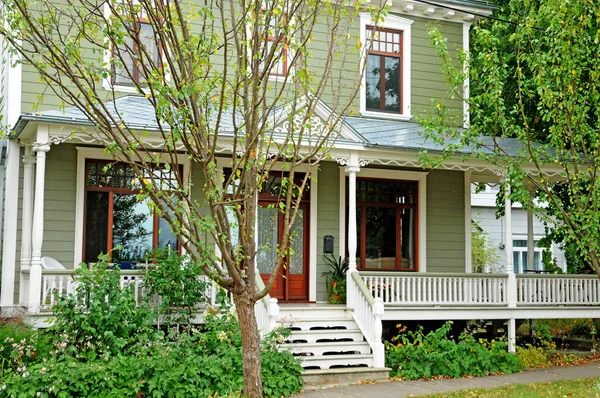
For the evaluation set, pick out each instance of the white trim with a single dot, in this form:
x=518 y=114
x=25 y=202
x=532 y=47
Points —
x=342 y=210
x=84 y=153
x=468 y=239
x=421 y=179
x=312 y=262
x=397 y=23
x=13 y=77
x=466 y=85
x=11 y=207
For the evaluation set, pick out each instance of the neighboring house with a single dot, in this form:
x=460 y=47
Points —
x=407 y=232
x=483 y=213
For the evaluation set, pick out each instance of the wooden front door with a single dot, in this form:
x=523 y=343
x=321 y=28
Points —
x=292 y=282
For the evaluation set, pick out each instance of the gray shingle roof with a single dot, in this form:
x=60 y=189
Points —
x=138 y=113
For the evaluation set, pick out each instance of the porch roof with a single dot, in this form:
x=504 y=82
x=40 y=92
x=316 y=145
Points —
x=138 y=113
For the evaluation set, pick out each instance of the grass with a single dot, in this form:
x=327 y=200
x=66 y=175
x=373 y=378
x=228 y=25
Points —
x=581 y=388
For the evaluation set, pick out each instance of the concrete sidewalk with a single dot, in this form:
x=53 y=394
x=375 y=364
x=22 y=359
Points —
x=417 y=388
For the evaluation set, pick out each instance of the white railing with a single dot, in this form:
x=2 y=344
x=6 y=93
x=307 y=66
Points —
x=265 y=309
x=60 y=283
x=367 y=312
x=437 y=288
x=558 y=290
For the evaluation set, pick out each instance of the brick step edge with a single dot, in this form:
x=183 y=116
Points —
x=315 y=379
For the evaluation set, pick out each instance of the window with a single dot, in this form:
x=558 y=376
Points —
x=386 y=224
x=383 y=73
x=520 y=256
x=115 y=218
x=126 y=67
x=280 y=68
x=385 y=90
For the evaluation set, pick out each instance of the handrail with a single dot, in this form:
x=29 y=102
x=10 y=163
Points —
x=432 y=274
x=367 y=313
x=557 y=276
x=266 y=309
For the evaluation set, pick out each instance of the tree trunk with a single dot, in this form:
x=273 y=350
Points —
x=250 y=345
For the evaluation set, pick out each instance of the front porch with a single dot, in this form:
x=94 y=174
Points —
x=355 y=329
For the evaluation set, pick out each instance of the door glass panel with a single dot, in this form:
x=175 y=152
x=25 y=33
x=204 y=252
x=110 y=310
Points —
x=381 y=238
x=407 y=220
x=268 y=225
x=132 y=229
x=297 y=234
x=96 y=225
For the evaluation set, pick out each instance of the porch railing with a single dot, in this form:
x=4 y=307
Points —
x=368 y=312
x=558 y=290
x=60 y=283
x=403 y=288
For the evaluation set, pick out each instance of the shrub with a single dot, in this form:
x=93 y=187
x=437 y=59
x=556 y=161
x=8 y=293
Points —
x=175 y=279
x=532 y=357
x=134 y=359
x=416 y=355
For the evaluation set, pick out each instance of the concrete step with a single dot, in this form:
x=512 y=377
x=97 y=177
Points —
x=316 y=349
x=325 y=336
x=336 y=361
x=318 y=378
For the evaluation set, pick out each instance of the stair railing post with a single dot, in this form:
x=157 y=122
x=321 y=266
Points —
x=273 y=311
x=378 y=347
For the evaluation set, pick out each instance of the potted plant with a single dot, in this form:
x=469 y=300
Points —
x=336 y=278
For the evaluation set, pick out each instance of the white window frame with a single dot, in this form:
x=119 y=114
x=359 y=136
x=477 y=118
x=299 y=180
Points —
x=107 y=83
x=522 y=250
x=395 y=23
x=84 y=153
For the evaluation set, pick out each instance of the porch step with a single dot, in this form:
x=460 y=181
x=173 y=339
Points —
x=337 y=361
x=333 y=323
x=334 y=348
x=325 y=336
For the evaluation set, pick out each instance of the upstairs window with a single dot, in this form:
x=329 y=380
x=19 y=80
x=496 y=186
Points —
x=385 y=91
x=141 y=45
x=383 y=73
x=280 y=68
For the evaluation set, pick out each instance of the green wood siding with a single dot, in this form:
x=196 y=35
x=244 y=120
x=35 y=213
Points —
x=445 y=221
x=59 y=203
x=328 y=216
x=427 y=79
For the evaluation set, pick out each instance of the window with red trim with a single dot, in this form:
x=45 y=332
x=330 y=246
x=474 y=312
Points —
x=386 y=221
x=274 y=38
x=115 y=221
x=126 y=70
x=384 y=70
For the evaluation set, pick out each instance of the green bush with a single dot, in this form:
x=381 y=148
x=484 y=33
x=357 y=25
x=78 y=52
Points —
x=110 y=349
x=21 y=345
x=532 y=357
x=416 y=355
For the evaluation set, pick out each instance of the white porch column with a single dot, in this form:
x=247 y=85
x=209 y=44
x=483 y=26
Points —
x=352 y=232
x=511 y=288
x=11 y=204
x=37 y=235
x=530 y=243
x=26 y=220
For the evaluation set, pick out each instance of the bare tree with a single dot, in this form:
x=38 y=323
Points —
x=240 y=76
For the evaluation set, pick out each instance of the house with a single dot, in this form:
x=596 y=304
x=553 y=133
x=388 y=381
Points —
x=483 y=214
x=405 y=229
